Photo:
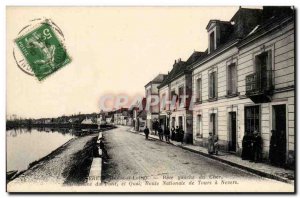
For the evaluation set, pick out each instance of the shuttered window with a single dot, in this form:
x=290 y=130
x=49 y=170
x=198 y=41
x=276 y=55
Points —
x=212 y=123
x=212 y=85
x=180 y=93
x=198 y=90
x=231 y=79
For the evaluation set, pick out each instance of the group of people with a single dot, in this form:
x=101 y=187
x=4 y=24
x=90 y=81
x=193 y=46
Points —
x=252 y=147
x=175 y=134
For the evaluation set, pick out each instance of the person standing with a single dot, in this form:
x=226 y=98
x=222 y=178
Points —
x=181 y=135
x=257 y=147
x=177 y=134
x=160 y=133
x=216 y=144
x=167 y=134
x=155 y=127
x=173 y=133
x=273 y=154
x=281 y=148
x=210 y=147
x=246 y=147
x=146 y=131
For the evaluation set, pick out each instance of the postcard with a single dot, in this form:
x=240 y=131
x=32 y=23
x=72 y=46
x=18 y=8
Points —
x=150 y=99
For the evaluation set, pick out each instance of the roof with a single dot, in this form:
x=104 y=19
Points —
x=178 y=69
x=181 y=67
x=270 y=25
x=244 y=25
x=142 y=114
x=157 y=80
x=195 y=56
x=216 y=21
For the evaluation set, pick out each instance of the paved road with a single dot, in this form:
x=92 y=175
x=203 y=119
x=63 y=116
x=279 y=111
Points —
x=131 y=155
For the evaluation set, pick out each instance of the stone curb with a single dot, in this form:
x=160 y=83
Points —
x=257 y=172
x=95 y=173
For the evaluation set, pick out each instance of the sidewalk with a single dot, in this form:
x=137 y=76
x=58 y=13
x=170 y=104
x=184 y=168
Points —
x=262 y=169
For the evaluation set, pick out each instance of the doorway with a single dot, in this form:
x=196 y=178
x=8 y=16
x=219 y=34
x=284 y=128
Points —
x=232 y=131
x=279 y=127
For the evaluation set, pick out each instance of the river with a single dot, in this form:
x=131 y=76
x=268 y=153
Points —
x=24 y=146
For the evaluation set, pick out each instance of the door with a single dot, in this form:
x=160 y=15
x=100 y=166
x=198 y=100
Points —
x=180 y=122
x=232 y=131
x=280 y=132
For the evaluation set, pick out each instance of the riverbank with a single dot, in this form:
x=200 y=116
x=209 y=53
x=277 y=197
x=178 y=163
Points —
x=66 y=165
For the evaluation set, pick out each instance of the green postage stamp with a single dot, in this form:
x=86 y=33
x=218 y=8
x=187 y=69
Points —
x=43 y=51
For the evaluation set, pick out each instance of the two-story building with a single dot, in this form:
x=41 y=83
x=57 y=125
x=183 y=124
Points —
x=245 y=82
x=175 y=95
x=151 y=92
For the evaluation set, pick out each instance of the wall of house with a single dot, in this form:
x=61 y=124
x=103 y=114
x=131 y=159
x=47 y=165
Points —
x=281 y=43
x=219 y=106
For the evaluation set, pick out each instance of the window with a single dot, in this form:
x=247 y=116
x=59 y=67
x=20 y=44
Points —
x=212 y=41
x=212 y=123
x=173 y=94
x=180 y=122
x=198 y=90
x=163 y=101
x=173 y=122
x=180 y=93
x=231 y=79
x=263 y=63
x=199 y=127
x=212 y=85
x=252 y=119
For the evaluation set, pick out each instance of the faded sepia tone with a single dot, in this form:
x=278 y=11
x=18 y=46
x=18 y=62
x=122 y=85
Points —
x=209 y=101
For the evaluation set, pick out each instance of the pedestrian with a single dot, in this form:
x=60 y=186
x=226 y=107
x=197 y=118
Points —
x=273 y=154
x=160 y=133
x=167 y=134
x=177 y=134
x=181 y=135
x=173 y=133
x=281 y=142
x=257 y=147
x=155 y=127
x=216 y=144
x=246 y=147
x=146 y=131
x=210 y=147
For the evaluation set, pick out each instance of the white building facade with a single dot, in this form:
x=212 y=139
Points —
x=246 y=83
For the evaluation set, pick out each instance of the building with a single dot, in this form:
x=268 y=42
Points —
x=123 y=116
x=151 y=91
x=139 y=115
x=177 y=87
x=245 y=81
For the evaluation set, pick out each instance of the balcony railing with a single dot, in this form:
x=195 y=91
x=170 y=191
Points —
x=260 y=83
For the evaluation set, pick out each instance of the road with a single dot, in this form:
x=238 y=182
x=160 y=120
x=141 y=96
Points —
x=131 y=155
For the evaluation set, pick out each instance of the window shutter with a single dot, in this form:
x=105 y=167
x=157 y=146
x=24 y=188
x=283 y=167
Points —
x=210 y=85
x=234 y=79
x=214 y=84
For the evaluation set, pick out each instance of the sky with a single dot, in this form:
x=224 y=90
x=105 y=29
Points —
x=114 y=50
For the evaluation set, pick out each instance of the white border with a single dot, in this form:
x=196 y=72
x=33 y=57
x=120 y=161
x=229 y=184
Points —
x=5 y=3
